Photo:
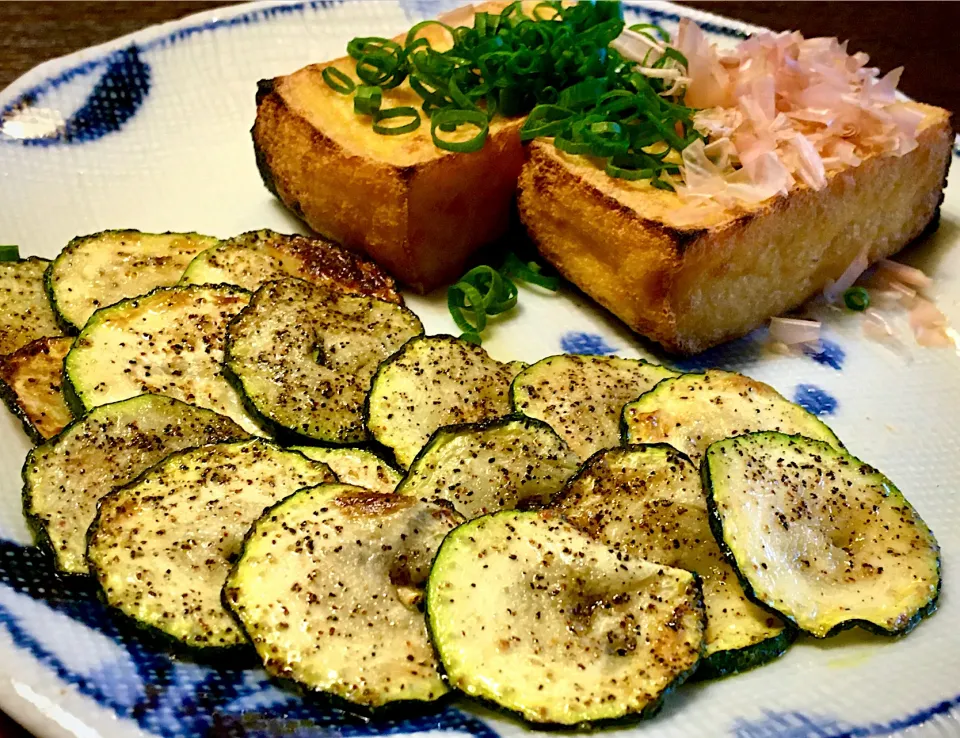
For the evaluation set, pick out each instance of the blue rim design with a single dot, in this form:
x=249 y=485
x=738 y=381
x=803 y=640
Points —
x=181 y=698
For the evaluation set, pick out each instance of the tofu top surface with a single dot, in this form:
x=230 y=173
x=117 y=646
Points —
x=659 y=206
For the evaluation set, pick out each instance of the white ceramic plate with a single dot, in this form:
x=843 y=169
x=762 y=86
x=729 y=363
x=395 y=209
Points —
x=151 y=132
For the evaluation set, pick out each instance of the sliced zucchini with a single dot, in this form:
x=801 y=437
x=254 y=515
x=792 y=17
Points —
x=169 y=342
x=65 y=478
x=356 y=466
x=495 y=465
x=25 y=312
x=31 y=383
x=304 y=356
x=345 y=567
x=819 y=536
x=647 y=501
x=530 y=614
x=581 y=396
x=161 y=546
x=252 y=259
x=693 y=410
x=103 y=268
x=431 y=382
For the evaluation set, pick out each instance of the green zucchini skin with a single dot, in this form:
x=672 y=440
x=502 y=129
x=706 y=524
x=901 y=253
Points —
x=232 y=597
x=444 y=433
x=434 y=626
x=717 y=526
x=475 y=408
x=712 y=665
x=71 y=327
x=388 y=476
x=781 y=412
x=238 y=651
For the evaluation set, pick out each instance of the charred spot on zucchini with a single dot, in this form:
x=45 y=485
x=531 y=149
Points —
x=103 y=268
x=495 y=465
x=254 y=258
x=161 y=546
x=355 y=466
x=648 y=502
x=304 y=356
x=31 y=384
x=64 y=478
x=431 y=382
x=329 y=588
x=530 y=614
x=692 y=411
x=581 y=397
x=169 y=342
x=25 y=312
x=819 y=536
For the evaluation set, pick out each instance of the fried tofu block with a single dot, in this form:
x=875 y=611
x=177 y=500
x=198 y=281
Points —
x=690 y=287
x=417 y=210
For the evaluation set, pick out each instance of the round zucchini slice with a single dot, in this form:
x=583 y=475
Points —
x=252 y=259
x=26 y=311
x=169 y=342
x=530 y=614
x=31 y=383
x=304 y=356
x=581 y=397
x=161 y=547
x=431 y=382
x=64 y=479
x=496 y=465
x=356 y=466
x=329 y=588
x=648 y=502
x=103 y=268
x=819 y=536
x=693 y=410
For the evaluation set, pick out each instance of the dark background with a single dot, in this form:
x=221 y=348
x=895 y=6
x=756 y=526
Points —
x=921 y=36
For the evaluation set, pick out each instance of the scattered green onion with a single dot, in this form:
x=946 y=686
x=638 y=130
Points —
x=395 y=129
x=368 y=99
x=484 y=291
x=338 y=81
x=442 y=120
x=9 y=252
x=857 y=298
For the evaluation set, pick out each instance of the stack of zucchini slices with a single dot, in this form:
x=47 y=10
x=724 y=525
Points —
x=251 y=447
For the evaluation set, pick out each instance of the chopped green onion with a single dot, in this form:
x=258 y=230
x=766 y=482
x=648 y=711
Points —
x=367 y=100
x=857 y=298
x=395 y=129
x=449 y=117
x=338 y=81
x=660 y=31
x=9 y=252
x=528 y=272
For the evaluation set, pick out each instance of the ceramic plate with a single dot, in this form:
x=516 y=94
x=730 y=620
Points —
x=151 y=132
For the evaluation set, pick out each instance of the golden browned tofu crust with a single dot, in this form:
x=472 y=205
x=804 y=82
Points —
x=690 y=287
x=417 y=210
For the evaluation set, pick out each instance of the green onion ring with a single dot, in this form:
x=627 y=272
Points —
x=368 y=99
x=857 y=298
x=338 y=81
x=475 y=118
x=404 y=111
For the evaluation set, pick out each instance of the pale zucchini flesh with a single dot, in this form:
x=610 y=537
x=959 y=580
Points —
x=530 y=614
x=161 y=547
x=65 y=478
x=31 y=383
x=495 y=465
x=691 y=411
x=169 y=342
x=329 y=588
x=648 y=502
x=581 y=397
x=103 y=268
x=304 y=356
x=25 y=312
x=819 y=536
x=355 y=466
x=254 y=258
x=431 y=382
